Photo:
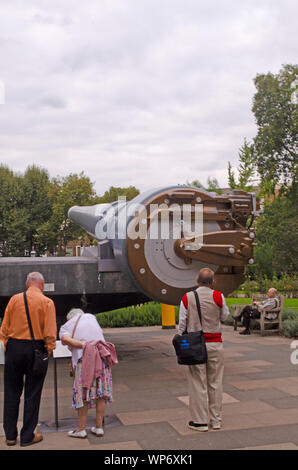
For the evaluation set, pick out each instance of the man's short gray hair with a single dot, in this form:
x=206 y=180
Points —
x=73 y=312
x=34 y=277
x=205 y=276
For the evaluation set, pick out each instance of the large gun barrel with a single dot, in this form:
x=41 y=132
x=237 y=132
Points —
x=163 y=237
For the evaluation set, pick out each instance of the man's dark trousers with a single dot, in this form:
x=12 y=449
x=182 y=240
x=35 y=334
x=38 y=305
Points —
x=247 y=313
x=18 y=365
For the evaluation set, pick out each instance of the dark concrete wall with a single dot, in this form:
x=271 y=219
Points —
x=72 y=282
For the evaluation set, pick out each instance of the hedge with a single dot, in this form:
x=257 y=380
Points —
x=285 y=285
x=148 y=314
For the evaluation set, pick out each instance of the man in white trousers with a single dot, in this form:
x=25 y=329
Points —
x=205 y=380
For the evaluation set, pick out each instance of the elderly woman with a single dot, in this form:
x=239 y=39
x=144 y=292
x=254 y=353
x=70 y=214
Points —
x=79 y=329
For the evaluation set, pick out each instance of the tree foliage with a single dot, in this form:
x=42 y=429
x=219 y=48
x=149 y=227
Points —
x=58 y=229
x=34 y=209
x=272 y=158
x=35 y=187
x=246 y=169
x=212 y=185
x=16 y=214
x=277 y=238
x=114 y=193
x=275 y=111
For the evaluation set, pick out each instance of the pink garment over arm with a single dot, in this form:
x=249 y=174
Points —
x=94 y=352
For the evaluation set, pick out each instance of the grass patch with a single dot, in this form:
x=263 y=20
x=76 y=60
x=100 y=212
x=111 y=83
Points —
x=149 y=314
x=238 y=301
x=291 y=303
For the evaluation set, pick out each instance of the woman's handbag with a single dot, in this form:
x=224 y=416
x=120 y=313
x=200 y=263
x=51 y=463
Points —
x=190 y=347
x=41 y=357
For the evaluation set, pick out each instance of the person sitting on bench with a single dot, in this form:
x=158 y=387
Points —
x=252 y=311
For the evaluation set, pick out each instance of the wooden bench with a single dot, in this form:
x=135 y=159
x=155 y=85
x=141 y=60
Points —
x=262 y=320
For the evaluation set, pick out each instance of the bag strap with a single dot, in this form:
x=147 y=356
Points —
x=76 y=324
x=198 y=307
x=28 y=316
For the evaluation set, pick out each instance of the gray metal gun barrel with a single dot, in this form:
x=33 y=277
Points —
x=156 y=241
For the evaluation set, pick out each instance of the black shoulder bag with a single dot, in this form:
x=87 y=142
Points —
x=41 y=358
x=190 y=347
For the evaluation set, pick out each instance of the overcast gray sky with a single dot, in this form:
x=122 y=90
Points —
x=136 y=92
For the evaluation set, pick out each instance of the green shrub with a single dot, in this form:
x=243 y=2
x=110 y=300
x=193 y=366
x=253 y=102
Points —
x=229 y=321
x=285 y=285
x=289 y=328
x=250 y=287
x=289 y=325
x=289 y=314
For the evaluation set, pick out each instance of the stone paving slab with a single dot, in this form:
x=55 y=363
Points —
x=150 y=407
x=282 y=446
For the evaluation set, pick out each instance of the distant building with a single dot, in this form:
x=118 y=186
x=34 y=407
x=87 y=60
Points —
x=74 y=247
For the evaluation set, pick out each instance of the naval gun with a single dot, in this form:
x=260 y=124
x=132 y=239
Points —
x=149 y=248
x=163 y=237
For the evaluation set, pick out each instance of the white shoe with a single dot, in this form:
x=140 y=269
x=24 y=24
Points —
x=97 y=431
x=216 y=426
x=78 y=434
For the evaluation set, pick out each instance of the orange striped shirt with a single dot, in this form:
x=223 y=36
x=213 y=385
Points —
x=42 y=314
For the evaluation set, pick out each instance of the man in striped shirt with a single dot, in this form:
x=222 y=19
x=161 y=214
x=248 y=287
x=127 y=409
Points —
x=252 y=311
x=205 y=380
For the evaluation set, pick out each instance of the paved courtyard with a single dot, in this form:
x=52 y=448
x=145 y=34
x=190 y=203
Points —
x=150 y=408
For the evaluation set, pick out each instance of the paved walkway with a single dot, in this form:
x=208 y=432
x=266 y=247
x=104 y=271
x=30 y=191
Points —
x=260 y=407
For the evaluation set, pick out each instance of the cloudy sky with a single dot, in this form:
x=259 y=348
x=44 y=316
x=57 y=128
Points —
x=136 y=92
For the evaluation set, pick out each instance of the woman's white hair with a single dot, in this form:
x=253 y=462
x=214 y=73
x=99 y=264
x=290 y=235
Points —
x=73 y=312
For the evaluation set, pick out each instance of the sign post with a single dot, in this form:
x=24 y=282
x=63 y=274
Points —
x=2 y=354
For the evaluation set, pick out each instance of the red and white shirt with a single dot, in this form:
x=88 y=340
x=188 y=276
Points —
x=214 y=311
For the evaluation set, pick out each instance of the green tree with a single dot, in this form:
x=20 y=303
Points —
x=64 y=193
x=231 y=177
x=14 y=219
x=277 y=238
x=6 y=185
x=114 y=192
x=17 y=223
x=36 y=203
x=275 y=111
x=196 y=183
x=246 y=169
x=212 y=185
